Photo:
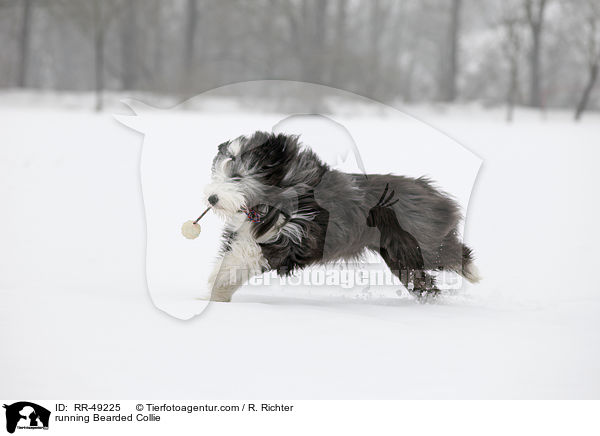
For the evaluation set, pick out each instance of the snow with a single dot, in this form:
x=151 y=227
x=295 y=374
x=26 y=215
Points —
x=77 y=321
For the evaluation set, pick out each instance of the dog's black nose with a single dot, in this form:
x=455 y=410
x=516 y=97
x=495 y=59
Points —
x=213 y=199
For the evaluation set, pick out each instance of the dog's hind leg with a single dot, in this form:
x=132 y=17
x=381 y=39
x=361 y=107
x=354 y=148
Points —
x=419 y=283
x=402 y=254
x=424 y=287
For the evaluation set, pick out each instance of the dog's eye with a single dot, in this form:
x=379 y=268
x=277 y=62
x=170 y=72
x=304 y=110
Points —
x=236 y=176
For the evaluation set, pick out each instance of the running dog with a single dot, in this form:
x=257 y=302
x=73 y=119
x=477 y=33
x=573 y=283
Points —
x=285 y=209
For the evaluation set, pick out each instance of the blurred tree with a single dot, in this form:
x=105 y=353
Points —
x=584 y=31
x=129 y=53
x=191 y=24
x=24 y=43
x=340 y=38
x=534 y=12
x=99 y=29
x=511 y=22
x=449 y=70
x=413 y=50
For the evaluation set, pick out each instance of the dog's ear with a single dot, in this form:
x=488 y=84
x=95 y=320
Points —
x=223 y=147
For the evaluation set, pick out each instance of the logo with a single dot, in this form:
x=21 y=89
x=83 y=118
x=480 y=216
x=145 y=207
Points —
x=26 y=415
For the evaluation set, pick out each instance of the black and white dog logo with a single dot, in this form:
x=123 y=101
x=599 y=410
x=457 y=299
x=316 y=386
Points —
x=26 y=415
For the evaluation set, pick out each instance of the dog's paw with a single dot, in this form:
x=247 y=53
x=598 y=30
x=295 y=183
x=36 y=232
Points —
x=425 y=297
x=221 y=296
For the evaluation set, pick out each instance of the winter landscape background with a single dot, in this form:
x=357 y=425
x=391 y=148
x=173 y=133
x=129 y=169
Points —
x=75 y=313
x=542 y=53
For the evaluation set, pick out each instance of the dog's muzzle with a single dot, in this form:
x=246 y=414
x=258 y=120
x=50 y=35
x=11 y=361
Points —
x=213 y=199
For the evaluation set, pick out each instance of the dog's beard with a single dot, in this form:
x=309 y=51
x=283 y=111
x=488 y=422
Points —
x=231 y=198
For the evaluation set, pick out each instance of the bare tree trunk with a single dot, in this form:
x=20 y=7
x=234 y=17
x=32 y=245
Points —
x=410 y=46
x=593 y=76
x=317 y=58
x=395 y=45
x=374 y=58
x=157 y=44
x=512 y=90
x=535 y=96
x=512 y=50
x=535 y=19
x=128 y=46
x=24 y=43
x=337 y=77
x=99 y=53
x=314 y=55
x=191 y=24
x=450 y=72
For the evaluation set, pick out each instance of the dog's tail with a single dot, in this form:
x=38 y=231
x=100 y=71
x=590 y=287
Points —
x=469 y=270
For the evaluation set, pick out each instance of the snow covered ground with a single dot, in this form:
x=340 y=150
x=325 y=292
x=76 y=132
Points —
x=76 y=320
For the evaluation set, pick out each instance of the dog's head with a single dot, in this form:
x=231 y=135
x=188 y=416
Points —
x=253 y=173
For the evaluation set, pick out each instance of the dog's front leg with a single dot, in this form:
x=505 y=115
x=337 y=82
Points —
x=241 y=261
x=223 y=281
x=227 y=276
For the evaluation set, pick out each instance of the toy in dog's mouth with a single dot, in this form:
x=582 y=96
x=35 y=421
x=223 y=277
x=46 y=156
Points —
x=191 y=229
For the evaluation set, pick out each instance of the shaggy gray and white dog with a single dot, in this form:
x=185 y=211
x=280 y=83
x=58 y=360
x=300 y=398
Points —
x=285 y=210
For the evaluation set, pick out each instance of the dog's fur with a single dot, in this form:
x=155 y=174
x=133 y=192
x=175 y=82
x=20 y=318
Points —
x=312 y=214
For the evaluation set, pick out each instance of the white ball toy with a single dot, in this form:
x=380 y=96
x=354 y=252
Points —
x=190 y=230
